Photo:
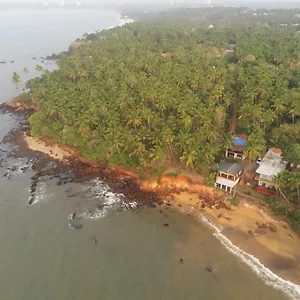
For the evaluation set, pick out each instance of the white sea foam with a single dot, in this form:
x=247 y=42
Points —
x=290 y=289
x=107 y=200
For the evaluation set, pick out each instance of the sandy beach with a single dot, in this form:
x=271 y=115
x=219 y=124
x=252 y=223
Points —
x=254 y=230
x=38 y=145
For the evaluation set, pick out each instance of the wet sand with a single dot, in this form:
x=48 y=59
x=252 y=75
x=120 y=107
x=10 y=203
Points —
x=253 y=230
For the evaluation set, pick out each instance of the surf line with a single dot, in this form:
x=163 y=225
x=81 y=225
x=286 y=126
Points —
x=292 y=290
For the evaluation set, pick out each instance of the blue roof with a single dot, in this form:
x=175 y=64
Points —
x=239 y=142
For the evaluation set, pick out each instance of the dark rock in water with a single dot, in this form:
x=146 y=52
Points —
x=31 y=200
x=24 y=168
x=7 y=175
x=34 y=58
x=152 y=204
x=166 y=224
x=13 y=168
x=182 y=260
x=74 y=225
x=130 y=205
x=73 y=215
x=32 y=160
x=95 y=240
x=12 y=61
x=65 y=178
x=53 y=56
x=32 y=188
x=209 y=269
x=2 y=62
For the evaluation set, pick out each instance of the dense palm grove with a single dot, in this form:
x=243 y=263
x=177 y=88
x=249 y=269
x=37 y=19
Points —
x=153 y=93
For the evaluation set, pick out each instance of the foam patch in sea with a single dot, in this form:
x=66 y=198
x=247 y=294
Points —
x=40 y=194
x=290 y=289
x=106 y=200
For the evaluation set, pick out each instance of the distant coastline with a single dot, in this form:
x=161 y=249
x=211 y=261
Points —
x=128 y=20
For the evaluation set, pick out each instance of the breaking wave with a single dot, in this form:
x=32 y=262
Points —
x=41 y=194
x=290 y=289
x=106 y=200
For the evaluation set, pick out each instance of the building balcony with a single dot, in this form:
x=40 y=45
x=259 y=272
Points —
x=226 y=184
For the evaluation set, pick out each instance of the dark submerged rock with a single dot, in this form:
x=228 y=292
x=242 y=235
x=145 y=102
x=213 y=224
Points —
x=24 y=168
x=8 y=175
x=32 y=188
x=181 y=260
x=53 y=56
x=74 y=225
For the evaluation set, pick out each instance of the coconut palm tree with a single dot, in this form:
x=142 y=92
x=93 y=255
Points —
x=16 y=78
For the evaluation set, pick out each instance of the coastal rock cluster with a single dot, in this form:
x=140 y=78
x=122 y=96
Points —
x=4 y=62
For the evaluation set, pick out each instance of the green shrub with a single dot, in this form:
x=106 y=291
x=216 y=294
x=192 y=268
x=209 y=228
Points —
x=234 y=202
x=158 y=172
x=173 y=174
x=211 y=179
x=294 y=217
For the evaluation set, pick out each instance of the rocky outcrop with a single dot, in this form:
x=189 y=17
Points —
x=16 y=105
x=53 y=56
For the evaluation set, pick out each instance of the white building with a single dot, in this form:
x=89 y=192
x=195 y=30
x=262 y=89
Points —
x=228 y=176
x=270 y=166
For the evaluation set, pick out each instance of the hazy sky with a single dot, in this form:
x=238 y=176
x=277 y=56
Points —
x=246 y=3
x=140 y=1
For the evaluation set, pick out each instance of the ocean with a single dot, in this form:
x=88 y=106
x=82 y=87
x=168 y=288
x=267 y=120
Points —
x=117 y=254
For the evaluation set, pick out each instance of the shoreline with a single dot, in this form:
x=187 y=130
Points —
x=266 y=243
x=252 y=230
x=249 y=227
